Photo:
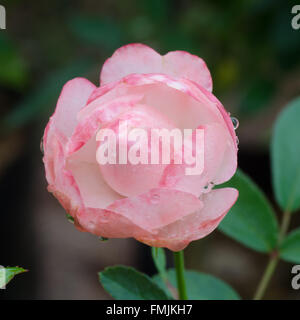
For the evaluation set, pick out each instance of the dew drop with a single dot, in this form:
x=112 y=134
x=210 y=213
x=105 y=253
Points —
x=103 y=220
x=207 y=188
x=155 y=199
x=42 y=145
x=235 y=122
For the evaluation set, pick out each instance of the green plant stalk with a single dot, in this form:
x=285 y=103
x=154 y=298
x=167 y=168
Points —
x=274 y=259
x=179 y=267
x=266 y=277
x=284 y=225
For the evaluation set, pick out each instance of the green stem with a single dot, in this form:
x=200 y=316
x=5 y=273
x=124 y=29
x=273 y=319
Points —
x=271 y=266
x=284 y=225
x=266 y=277
x=179 y=266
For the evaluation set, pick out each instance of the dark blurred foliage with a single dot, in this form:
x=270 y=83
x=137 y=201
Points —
x=249 y=46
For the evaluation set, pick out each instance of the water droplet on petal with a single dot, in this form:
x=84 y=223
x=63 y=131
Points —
x=235 y=122
x=207 y=188
x=42 y=145
x=155 y=199
x=103 y=220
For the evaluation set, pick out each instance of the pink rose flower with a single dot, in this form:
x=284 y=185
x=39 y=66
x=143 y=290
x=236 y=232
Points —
x=157 y=204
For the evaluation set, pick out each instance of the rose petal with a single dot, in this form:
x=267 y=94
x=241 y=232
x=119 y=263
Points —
x=179 y=234
x=182 y=64
x=132 y=58
x=216 y=143
x=107 y=224
x=61 y=182
x=171 y=97
x=156 y=208
x=101 y=113
x=141 y=59
x=175 y=98
x=131 y=179
x=73 y=97
x=94 y=190
x=224 y=113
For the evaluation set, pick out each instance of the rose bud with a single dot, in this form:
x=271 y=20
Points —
x=161 y=204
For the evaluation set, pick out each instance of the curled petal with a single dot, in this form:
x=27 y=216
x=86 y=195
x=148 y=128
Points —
x=73 y=97
x=217 y=145
x=140 y=59
x=132 y=58
x=93 y=189
x=156 y=208
x=182 y=64
x=128 y=178
x=176 y=236
x=100 y=115
x=171 y=97
x=107 y=224
x=61 y=182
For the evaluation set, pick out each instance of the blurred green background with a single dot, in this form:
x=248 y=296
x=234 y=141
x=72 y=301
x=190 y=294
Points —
x=253 y=54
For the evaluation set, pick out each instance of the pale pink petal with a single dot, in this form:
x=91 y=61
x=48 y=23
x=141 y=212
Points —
x=171 y=97
x=107 y=224
x=175 y=98
x=93 y=189
x=224 y=113
x=130 y=179
x=132 y=58
x=140 y=59
x=101 y=91
x=215 y=142
x=156 y=208
x=229 y=164
x=101 y=113
x=73 y=97
x=181 y=64
x=102 y=95
x=179 y=234
x=61 y=182
x=179 y=100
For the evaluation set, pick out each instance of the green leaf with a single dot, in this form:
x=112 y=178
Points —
x=201 y=286
x=45 y=96
x=290 y=247
x=285 y=156
x=159 y=258
x=7 y=274
x=13 y=68
x=127 y=283
x=251 y=220
x=98 y=31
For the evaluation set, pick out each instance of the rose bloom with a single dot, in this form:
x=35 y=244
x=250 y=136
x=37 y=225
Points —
x=157 y=204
